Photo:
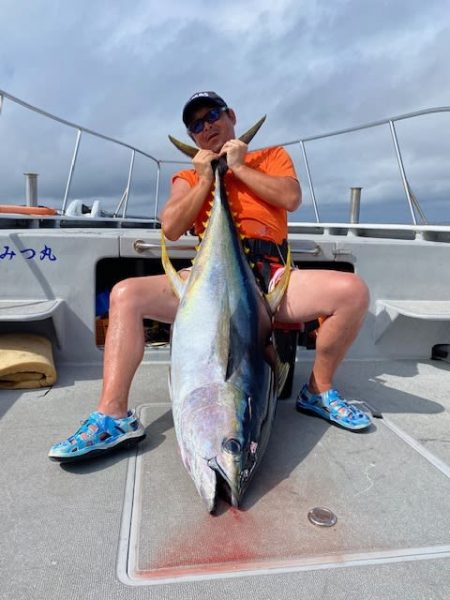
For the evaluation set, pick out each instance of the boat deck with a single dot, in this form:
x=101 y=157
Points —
x=131 y=525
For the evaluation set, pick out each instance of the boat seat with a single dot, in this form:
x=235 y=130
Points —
x=387 y=312
x=30 y=311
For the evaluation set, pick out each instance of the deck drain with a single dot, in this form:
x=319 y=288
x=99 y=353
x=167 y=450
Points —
x=321 y=516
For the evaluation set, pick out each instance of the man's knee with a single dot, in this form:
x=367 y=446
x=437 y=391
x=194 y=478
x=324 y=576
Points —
x=357 y=292
x=124 y=293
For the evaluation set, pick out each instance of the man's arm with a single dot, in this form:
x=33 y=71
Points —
x=284 y=192
x=185 y=202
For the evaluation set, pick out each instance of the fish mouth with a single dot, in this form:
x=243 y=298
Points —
x=225 y=488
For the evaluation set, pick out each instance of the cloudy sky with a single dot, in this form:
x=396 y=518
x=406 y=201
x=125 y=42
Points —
x=125 y=69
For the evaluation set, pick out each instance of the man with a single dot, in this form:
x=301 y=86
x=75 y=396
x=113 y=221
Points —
x=262 y=187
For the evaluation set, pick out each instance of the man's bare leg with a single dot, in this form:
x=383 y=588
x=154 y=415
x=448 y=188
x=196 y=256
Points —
x=131 y=301
x=341 y=297
x=111 y=426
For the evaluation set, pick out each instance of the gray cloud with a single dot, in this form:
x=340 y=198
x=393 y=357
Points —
x=126 y=70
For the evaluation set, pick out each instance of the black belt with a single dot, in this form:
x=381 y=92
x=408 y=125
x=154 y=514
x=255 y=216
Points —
x=261 y=253
x=260 y=249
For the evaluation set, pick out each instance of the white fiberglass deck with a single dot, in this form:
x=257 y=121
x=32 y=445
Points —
x=112 y=527
x=377 y=483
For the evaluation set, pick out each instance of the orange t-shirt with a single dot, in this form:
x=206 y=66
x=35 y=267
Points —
x=258 y=219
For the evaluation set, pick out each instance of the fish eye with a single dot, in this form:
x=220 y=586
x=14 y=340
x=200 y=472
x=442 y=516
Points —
x=232 y=446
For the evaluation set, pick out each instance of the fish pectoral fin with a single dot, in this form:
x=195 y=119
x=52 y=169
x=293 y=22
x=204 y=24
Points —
x=235 y=348
x=276 y=295
x=222 y=345
x=177 y=283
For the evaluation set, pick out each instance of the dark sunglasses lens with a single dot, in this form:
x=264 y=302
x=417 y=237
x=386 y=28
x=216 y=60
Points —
x=196 y=126
x=211 y=116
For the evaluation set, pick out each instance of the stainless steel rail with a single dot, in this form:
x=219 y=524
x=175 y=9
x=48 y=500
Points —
x=80 y=130
x=122 y=206
x=412 y=200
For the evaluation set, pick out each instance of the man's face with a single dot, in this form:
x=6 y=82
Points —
x=214 y=135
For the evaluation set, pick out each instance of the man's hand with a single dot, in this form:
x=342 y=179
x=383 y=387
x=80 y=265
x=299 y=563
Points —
x=235 y=151
x=202 y=164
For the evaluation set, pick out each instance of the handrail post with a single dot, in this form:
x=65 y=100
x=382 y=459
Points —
x=158 y=173
x=311 y=188
x=119 y=206
x=124 y=199
x=402 y=170
x=72 y=167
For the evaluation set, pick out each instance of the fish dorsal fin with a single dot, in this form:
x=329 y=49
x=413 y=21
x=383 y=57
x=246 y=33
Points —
x=191 y=151
x=276 y=295
x=250 y=133
x=177 y=283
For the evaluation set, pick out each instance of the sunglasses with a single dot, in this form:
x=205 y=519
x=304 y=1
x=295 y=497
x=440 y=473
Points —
x=211 y=116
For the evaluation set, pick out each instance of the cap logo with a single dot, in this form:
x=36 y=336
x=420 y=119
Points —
x=200 y=95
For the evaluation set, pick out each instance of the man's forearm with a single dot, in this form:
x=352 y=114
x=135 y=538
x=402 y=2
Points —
x=284 y=192
x=180 y=212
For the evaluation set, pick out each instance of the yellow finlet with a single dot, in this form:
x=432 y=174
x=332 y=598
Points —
x=281 y=373
x=177 y=283
x=276 y=295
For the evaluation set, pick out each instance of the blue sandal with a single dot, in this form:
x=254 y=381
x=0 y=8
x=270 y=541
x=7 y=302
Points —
x=332 y=407
x=99 y=434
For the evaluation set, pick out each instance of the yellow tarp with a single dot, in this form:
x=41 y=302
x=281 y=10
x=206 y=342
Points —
x=26 y=361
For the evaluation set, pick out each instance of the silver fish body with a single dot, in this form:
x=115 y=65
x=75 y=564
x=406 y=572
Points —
x=223 y=390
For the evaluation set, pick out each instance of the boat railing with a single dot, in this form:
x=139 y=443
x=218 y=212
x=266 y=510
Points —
x=121 y=210
x=414 y=206
x=122 y=207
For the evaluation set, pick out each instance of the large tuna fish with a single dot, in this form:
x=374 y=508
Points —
x=222 y=385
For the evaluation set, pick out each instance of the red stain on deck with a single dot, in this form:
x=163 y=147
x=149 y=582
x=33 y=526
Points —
x=274 y=533
x=212 y=544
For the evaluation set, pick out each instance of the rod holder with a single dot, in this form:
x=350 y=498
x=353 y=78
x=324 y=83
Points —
x=355 y=202
x=31 y=189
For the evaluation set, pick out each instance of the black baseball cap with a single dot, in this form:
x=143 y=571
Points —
x=201 y=99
